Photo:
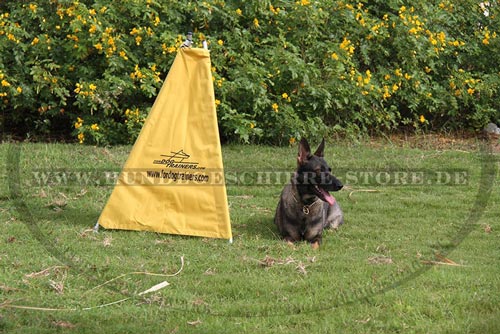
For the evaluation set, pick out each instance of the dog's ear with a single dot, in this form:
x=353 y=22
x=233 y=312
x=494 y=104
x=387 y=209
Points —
x=321 y=149
x=304 y=151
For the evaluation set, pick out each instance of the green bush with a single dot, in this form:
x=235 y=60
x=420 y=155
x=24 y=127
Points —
x=281 y=69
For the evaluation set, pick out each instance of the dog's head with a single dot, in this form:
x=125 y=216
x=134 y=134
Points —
x=313 y=176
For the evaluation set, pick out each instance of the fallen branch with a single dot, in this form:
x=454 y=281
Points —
x=7 y=304
x=44 y=272
x=159 y=286
x=141 y=273
x=360 y=191
x=441 y=263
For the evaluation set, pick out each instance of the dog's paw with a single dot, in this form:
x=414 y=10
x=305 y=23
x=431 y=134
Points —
x=289 y=242
x=315 y=245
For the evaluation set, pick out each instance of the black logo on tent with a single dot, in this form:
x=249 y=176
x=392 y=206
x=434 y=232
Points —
x=179 y=159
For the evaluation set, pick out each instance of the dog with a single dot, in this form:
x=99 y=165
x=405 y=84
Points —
x=305 y=207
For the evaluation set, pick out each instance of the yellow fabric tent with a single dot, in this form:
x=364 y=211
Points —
x=173 y=180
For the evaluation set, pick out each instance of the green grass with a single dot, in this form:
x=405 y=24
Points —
x=368 y=277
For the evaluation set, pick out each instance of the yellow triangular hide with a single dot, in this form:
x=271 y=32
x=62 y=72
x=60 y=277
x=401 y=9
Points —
x=173 y=180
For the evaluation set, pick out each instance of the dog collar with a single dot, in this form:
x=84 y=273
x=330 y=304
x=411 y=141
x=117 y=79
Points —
x=305 y=208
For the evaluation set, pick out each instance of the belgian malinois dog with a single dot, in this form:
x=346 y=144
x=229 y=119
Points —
x=306 y=207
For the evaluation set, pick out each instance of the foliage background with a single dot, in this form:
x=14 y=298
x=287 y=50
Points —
x=90 y=70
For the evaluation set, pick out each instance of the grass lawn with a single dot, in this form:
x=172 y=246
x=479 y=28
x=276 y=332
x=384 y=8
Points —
x=419 y=252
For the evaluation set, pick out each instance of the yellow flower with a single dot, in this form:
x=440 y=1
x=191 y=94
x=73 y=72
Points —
x=305 y=2
x=335 y=56
x=32 y=7
x=441 y=37
x=252 y=125
x=470 y=91
x=11 y=37
x=238 y=11
x=284 y=95
x=395 y=87
x=275 y=11
x=94 y=127
x=220 y=42
x=98 y=46
x=19 y=89
x=275 y=107
x=291 y=140
x=5 y=83
x=35 y=41
x=346 y=45
x=366 y=80
x=256 y=22
x=422 y=119
x=81 y=137
x=386 y=94
x=123 y=55
x=92 y=87
x=217 y=102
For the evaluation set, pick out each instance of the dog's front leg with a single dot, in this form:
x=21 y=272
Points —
x=291 y=234
x=314 y=234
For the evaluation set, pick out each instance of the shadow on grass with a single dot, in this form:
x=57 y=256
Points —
x=66 y=215
x=256 y=227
